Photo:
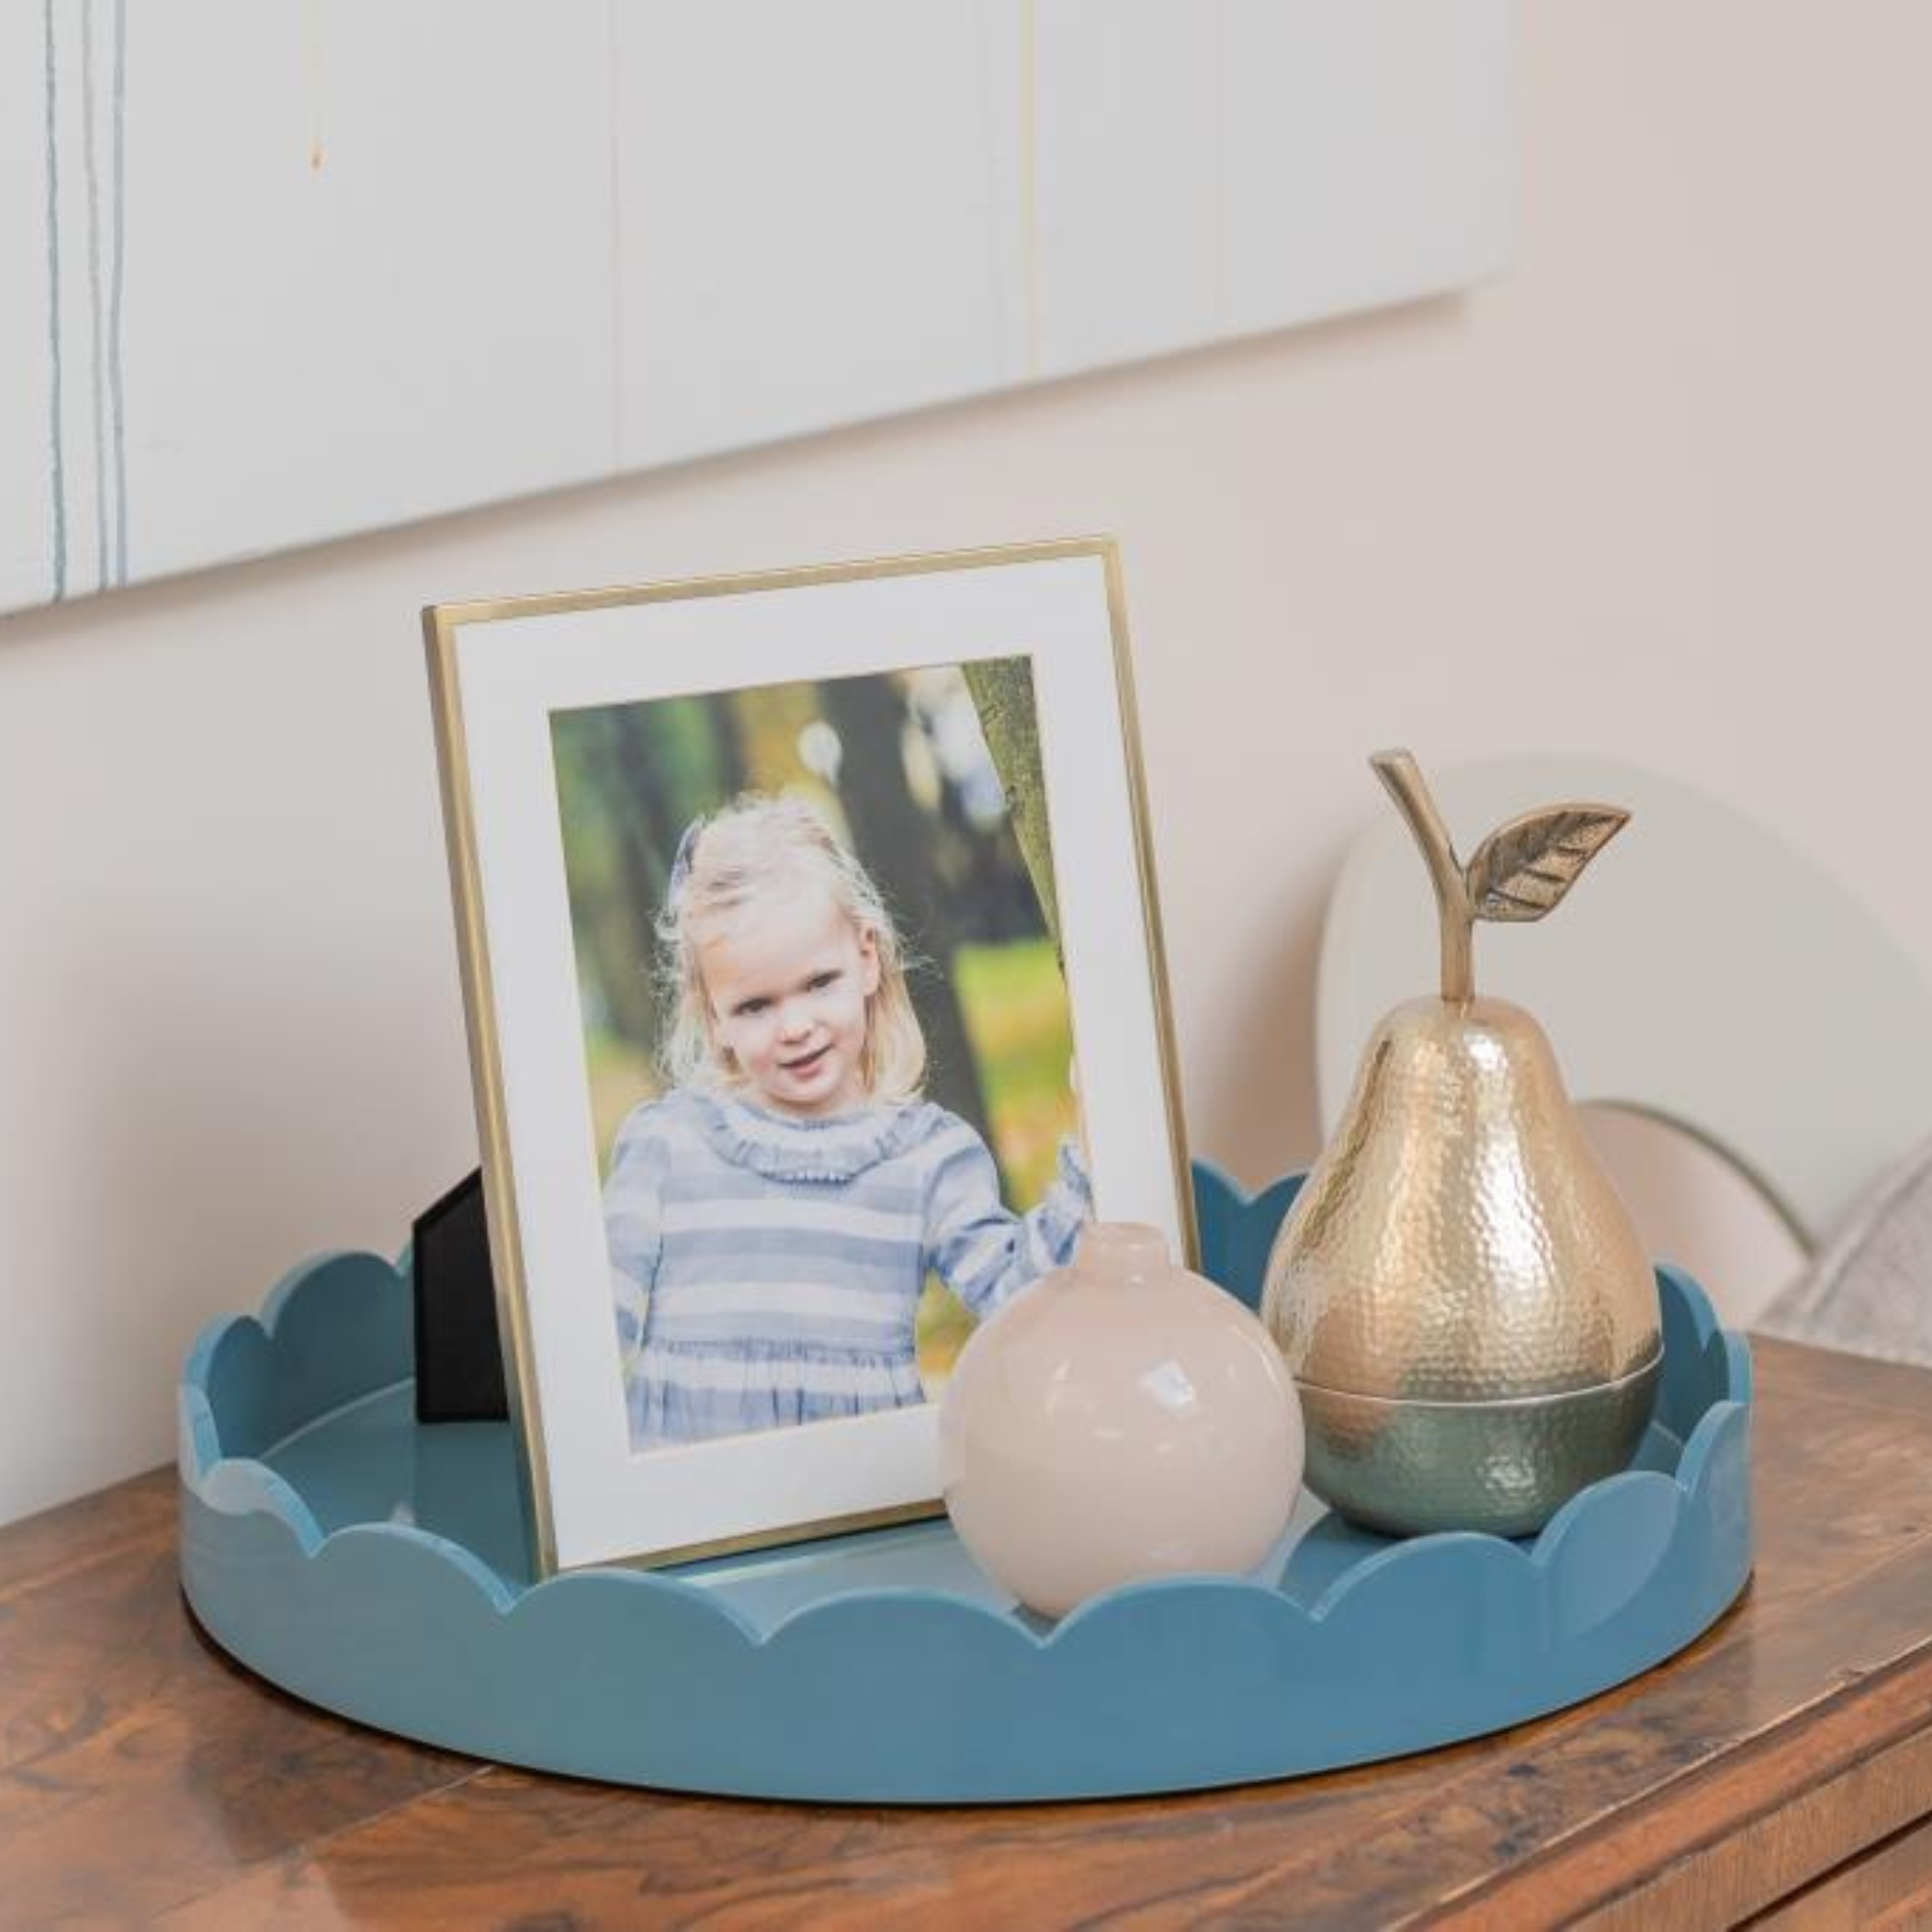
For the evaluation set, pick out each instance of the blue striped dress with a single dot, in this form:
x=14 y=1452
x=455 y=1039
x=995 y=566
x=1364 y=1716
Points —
x=767 y=1268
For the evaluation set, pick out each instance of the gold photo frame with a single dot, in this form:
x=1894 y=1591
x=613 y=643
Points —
x=788 y=904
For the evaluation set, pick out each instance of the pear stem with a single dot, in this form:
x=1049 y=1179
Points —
x=1456 y=917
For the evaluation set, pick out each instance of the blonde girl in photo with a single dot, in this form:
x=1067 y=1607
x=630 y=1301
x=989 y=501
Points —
x=773 y=1217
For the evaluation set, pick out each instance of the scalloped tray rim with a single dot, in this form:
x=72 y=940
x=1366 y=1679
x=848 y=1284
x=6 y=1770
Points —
x=241 y=1485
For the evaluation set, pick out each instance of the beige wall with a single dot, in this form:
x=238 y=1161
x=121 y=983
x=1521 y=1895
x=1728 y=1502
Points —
x=1662 y=492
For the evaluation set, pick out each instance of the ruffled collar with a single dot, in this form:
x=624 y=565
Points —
x=783 y=1147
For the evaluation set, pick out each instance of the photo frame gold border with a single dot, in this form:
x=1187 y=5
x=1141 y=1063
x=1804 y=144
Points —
x=440 y=624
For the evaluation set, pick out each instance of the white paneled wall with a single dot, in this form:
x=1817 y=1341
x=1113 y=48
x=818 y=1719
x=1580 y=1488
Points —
x=284 y=269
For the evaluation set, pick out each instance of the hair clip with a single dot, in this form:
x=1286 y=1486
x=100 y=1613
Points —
x=680 y=865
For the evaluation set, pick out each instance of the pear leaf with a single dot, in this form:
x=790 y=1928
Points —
x=1522 y=869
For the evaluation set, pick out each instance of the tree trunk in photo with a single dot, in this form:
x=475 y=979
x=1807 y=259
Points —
x=641 y=817
x=1001 y=691
x=892 y=833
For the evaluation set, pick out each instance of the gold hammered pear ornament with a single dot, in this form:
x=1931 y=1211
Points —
x=1461 y=1295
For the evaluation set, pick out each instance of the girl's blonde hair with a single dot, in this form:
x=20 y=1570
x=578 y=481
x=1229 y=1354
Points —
x=760 y=846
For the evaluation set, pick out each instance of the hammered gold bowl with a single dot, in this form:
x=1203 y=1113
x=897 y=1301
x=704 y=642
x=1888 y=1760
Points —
x=1464 y=1303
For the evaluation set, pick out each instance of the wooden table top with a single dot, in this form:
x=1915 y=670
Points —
x=144 y=1777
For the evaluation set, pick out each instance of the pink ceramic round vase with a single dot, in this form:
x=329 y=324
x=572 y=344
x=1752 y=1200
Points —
x=1121 y=1419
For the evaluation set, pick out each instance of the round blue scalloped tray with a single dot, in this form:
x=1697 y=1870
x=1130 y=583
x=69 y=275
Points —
x=379 y=1568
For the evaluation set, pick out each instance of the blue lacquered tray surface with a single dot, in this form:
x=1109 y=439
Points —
x=379 y=1568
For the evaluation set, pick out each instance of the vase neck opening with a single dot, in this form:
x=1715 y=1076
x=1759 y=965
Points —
x=1122 y=1251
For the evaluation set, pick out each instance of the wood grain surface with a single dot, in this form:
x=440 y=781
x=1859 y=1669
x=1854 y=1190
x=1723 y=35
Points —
x=1890 y=1886
x=1787 y=1756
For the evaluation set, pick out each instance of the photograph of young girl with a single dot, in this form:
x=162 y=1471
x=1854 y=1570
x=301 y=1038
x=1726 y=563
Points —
x=828 y=1037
